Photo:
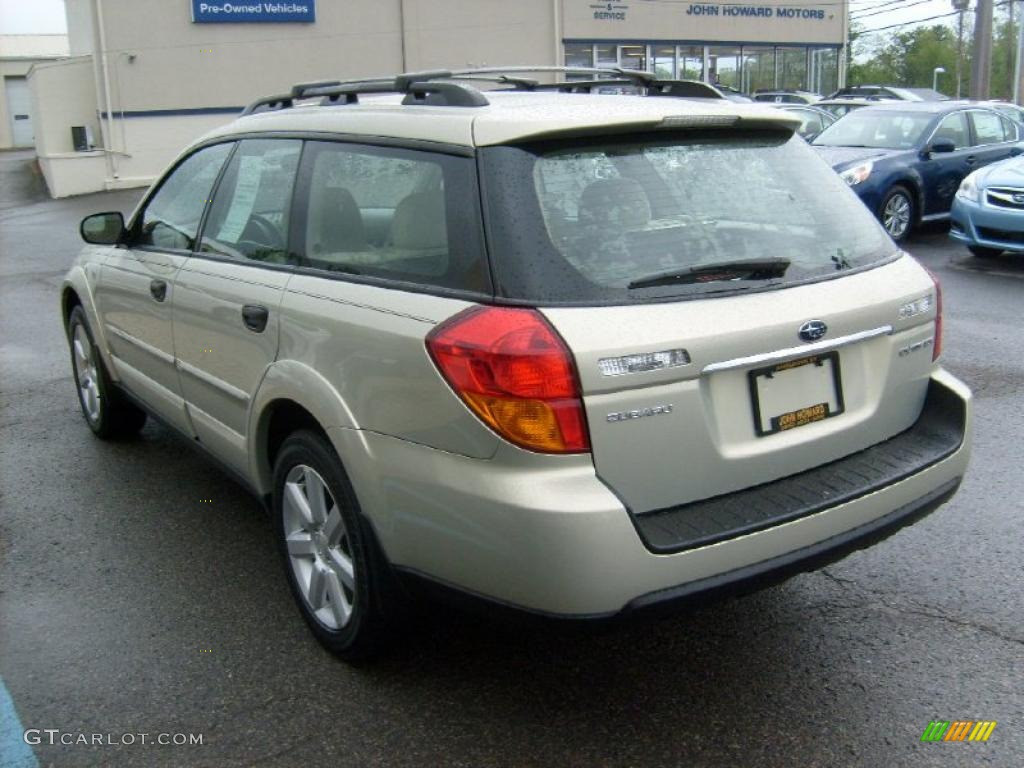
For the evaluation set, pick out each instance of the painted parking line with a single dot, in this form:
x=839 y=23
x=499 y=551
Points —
x=14 y=752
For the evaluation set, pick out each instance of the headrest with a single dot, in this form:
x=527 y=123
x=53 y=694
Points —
x=420 y=222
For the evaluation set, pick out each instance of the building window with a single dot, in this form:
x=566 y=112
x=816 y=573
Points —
x=691 y=62
x=792 y=68
x=758 y=69
x=607 y=55
x=724 y=67
x=824 y=70
x=633 y=57
x=579 y=55
x=664 y=61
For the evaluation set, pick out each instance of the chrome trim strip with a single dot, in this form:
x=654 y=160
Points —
x=807 y=349
x=936 y=216
x=213 y=381
x=157 y=353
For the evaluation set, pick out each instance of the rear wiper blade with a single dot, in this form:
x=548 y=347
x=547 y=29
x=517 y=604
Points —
x=741 y=269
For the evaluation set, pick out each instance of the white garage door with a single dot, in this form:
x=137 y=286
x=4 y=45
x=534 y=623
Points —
x=18 y=108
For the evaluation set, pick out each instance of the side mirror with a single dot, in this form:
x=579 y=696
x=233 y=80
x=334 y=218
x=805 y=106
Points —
x=942 y=146
x=102 y=228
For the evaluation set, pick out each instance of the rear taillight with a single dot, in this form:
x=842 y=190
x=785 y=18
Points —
x=515 y=373
x=937 y=345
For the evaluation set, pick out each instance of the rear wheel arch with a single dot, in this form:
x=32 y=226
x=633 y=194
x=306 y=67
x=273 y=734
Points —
x=295 y=394
x=69 y=299
x=280 y=419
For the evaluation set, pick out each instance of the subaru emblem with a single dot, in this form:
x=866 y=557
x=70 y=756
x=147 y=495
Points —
x=812 y=330
x=1018 y=197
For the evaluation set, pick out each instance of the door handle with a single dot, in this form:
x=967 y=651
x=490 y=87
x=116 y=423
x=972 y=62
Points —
x=158 y=289
x=971 y=159
x=255 y=317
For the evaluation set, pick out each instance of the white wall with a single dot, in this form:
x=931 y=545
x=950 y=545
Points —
x=62 y=96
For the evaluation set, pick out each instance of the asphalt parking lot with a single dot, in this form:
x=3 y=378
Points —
x=130 y=604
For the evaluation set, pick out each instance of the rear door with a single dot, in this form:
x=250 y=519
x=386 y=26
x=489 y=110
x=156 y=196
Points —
x=135 y=291
x=228 y=293
x=995 y=137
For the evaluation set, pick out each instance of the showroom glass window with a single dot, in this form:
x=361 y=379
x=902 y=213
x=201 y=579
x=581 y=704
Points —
x=171 y=218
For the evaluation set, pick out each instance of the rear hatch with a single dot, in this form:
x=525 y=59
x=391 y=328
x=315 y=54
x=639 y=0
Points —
x=735 y=313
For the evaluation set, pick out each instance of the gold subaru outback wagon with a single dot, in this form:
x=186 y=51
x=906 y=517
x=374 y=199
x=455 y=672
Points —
x=561 y=353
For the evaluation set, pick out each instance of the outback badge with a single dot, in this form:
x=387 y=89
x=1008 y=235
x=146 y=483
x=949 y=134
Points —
x=812 y=330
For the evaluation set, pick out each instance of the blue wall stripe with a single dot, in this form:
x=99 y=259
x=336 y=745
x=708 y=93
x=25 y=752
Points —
x=175 y=112
x=14 y=752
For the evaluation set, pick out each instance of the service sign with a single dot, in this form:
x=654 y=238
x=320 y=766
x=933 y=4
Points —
x=247 y=12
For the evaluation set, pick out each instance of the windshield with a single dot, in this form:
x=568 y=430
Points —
x=878 y=130
x=633 y=219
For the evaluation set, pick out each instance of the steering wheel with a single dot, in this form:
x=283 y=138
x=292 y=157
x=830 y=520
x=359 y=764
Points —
x=263 y=232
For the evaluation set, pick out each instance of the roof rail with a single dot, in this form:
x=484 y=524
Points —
x=439 y=87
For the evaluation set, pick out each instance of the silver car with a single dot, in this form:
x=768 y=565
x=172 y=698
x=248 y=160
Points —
x=571 y=355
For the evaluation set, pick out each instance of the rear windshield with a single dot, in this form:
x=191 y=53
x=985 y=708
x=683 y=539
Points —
x=647 y=218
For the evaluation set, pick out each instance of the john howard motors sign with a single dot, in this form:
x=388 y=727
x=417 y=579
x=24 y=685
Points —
x=246 y=11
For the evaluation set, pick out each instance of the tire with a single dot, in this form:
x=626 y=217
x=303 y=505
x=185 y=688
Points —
x=983 y=253
x=347 y=606
x=108 y=414
x=897 y=213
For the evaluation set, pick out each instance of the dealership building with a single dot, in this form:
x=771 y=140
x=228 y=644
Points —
x=143 y=78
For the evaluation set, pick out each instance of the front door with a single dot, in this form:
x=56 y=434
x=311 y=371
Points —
x=135 y=291
x=942 y=172
x=227 y=296
x=19 y=103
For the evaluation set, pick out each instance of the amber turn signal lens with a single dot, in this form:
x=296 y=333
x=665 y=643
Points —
x=516 y=374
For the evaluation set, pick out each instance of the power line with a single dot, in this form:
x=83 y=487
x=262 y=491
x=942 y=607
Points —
x=888 y=10
x=929 y=18
x=883 y=4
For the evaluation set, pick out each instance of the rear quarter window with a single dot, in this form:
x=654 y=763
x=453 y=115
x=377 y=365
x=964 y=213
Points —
x=392 y=214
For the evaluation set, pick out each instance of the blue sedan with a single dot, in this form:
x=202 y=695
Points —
x=906 y=159
x=988 y=212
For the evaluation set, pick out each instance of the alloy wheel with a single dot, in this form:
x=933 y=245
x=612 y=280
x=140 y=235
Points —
x=86 y=374
x=896 y=216
x=319 y=547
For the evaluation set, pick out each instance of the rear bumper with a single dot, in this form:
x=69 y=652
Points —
x=987 y=227
x=545 y=535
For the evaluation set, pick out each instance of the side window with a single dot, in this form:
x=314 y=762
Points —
x=988 y=128
x=953 y=127
x=250 y=211
x=171 y=217
x=394 y=213
x=1009 y=128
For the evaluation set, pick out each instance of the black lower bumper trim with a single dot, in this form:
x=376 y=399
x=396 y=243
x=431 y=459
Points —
x=777 y=569
x=936 y=435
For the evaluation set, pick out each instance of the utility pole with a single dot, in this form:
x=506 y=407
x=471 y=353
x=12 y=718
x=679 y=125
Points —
x=960 y=6
x=1017 y=89
x=981 y=64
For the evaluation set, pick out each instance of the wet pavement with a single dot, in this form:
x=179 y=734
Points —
x=130 y=606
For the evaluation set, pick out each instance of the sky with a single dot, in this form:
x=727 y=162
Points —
x=47 y=16
x=26 y=17
x=872 y=14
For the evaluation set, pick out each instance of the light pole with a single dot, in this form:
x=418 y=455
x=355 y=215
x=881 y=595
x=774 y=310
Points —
x=960 y=6
x=935 y=77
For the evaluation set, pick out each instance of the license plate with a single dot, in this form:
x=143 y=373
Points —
x=796 y=393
